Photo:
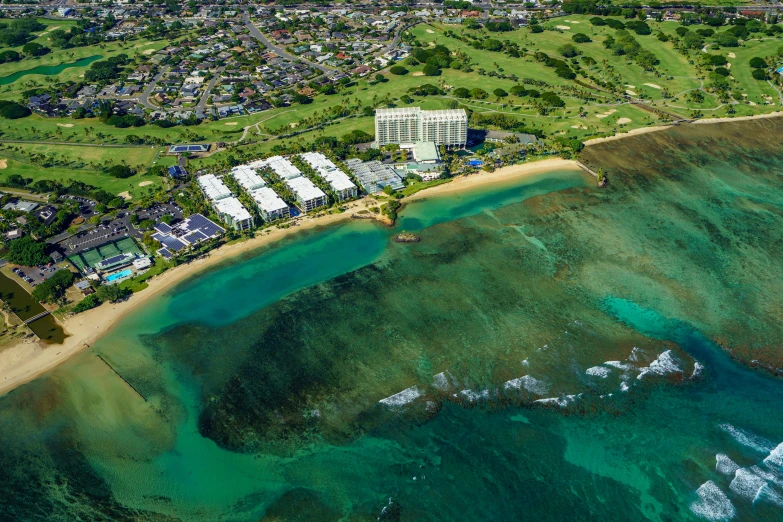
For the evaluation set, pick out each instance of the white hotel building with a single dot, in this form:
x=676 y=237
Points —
x=341 y=184
x=231 y=211
x=407 y=125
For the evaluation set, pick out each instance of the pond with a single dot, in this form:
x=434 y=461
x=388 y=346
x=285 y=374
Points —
x=25 y=307
x=48 y=70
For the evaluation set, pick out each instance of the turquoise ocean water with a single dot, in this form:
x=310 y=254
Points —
x=548 y=351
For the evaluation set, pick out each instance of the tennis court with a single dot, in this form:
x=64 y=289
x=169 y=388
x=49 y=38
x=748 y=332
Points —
x=91 y=258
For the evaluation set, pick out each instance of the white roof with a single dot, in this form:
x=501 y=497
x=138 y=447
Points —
x=268 y=200
x=233 y=208
x=282 y=167
x=305 y=189
x=247 y=177
x=213 y=187
x=336 y=178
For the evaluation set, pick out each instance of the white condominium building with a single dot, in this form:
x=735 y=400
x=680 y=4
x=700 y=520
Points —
x=234 y=214
x=213 y=187
x=270 y=205
x=341 y=184
x=247 y=177
x=307 y=194
x=411 y=125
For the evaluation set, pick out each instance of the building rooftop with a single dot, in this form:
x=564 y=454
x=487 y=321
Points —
x=267 y=199
x=213 y=187
x=232 y=207
x=305 y=189
x=247 y=177
x=336 y=178
x=426 y=151
x=282 y=167
x=374 y=175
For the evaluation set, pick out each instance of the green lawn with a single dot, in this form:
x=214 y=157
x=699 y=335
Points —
x=83 y=164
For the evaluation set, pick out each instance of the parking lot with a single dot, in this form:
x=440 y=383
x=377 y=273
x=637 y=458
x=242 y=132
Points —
x=35 y=275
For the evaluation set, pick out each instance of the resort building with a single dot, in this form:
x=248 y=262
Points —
x=231 y=211
x=374 y=175
x=341 y=184
x=281 y=166
x=270 y=205
x=308 y=196
x=213 y=187
x=190 y=231
x=247 y=177
x=411 y=124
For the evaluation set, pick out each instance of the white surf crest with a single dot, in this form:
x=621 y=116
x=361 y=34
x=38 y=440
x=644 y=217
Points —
x=713 y=504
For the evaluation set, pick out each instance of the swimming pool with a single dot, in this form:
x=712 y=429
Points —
x=119 y=275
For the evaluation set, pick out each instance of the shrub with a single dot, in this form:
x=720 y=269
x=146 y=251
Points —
x=568 y=50
x=399 y=70
x=722 y=71
x=518 y=90
x=461 y=92
x=356 y=136
x=536 y=29
x=716 y=59
x=500 y=93
x=120 y=171
x=431 y=70
x=758 y=63
x=112 y=293
x=565 y=72
x=759 y=74
x=26 y=251
x=726 y=39
x=478 y=94
x=581 y=38
x=54 y=287
x=551 y=99
x=682 y=31
x=35 y=49
x=89 y=302
x=13 y=111
x=598 y=21
x=9 y=56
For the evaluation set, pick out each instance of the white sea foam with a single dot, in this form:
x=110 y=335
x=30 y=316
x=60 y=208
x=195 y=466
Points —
x=441 y=381
x=635 y=353
x=529 y=383
x=713 y=504
x=559 y=401
x=624 y=386
x=663 y=365
x=766 y=493
x=723 y=464
x=748 y=439
x=697 y=369
x=474 y=396
x=746 y=484
x=620 y=365
x=598 y=371
x=525 y=363
x=404 y=397
x=775 y=457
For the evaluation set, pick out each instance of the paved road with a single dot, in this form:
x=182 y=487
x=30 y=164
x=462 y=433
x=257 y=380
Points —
x=255 y=33
x=144 y=99
x=202 y=103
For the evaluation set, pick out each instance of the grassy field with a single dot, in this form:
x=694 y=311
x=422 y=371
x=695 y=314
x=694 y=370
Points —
x=84 y=164
x=668 y=88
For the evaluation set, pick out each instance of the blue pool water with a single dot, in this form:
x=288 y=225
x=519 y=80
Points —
x=119 y=275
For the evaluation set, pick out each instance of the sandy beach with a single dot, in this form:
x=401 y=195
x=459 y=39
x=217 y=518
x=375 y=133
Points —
x=24 y=362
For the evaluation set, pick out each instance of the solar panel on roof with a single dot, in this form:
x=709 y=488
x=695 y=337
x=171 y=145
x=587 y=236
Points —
x=170 y=242
x=163 y=228
x=165 y=253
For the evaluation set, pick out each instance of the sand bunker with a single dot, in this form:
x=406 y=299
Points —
x=148 y=52
x=563 y=27
x=623 y=121
x=578 y=127
x=630 y=92
x=67 y=125
x=232 y=123
x=751 y=103
x=607 y=113
x=3 y=164
x=572 y=21
x=653 y=85
x=418 y=73
x=145 y=183
x=732 y=55
x=430 y=31
x=125 y=195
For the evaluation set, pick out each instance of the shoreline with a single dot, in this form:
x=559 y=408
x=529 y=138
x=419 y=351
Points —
x=702 y=121
x=23 y=362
